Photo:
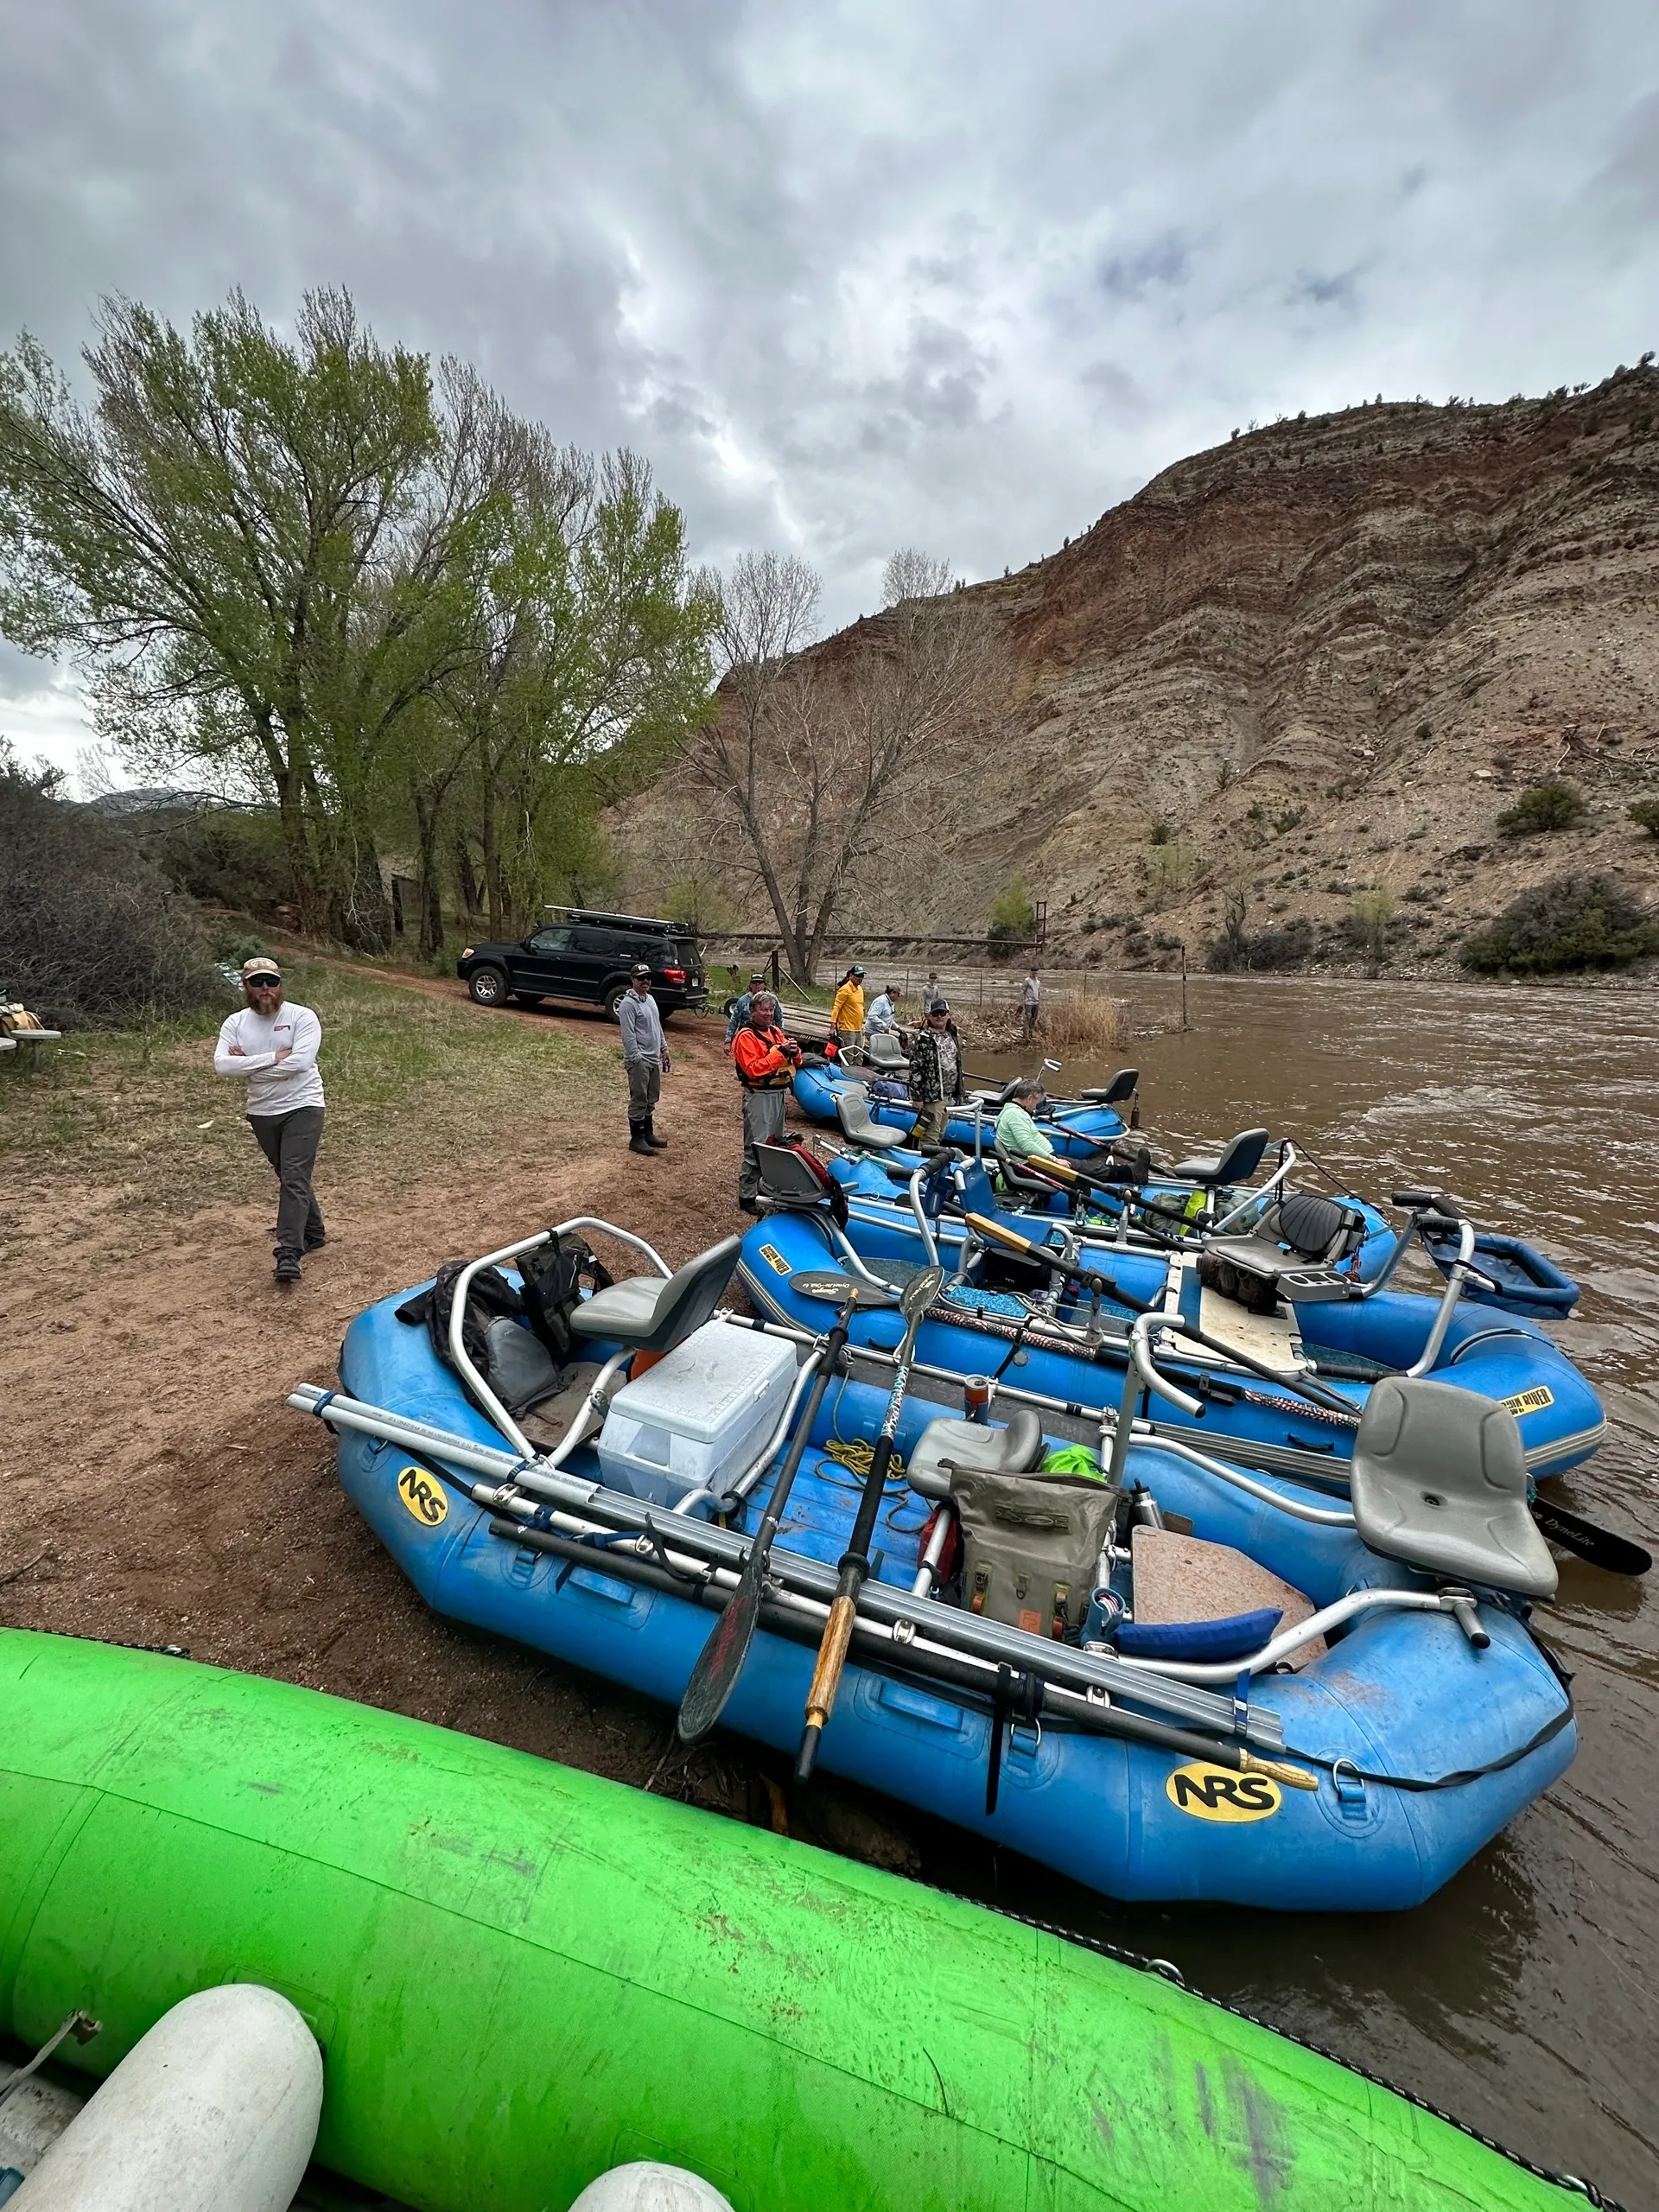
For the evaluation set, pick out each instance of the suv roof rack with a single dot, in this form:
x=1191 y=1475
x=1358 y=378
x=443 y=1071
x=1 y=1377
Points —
x=634 y=921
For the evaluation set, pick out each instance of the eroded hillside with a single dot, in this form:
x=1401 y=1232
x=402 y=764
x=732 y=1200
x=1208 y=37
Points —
x=1321 y=657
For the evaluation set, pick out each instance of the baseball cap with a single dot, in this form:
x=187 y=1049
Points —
x=939 y=1006
x=641 y=967
x=857 y=970
x=759 y=976
x=260 y=967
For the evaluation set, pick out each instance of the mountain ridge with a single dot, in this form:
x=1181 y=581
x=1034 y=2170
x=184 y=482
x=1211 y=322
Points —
x=1319 y=657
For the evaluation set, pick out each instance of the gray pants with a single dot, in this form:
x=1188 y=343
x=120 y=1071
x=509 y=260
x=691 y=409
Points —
x=763 y=1123
x=289 y=1142
x=644 y=1089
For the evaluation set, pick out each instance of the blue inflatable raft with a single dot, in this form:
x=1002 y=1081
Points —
x=1283 y=1389
x=1419 y=1719
x=1075 y=1128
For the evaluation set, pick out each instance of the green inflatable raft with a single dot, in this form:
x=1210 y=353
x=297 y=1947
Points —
x=521 y=1976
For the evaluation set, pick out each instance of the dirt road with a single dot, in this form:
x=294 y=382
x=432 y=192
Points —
x=155 y=1489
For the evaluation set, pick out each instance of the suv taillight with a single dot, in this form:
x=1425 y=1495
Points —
x=673 y=974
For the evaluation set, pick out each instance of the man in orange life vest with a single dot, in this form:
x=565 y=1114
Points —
x=765 y=1061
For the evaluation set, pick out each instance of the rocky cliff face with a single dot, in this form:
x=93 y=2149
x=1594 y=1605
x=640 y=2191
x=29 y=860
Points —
x=1324 y=656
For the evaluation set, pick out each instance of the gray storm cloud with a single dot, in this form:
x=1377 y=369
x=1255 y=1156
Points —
x=951 y=275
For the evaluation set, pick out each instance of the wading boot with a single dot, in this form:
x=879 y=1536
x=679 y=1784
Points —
x=287 y=1269
x=637 y=1141
x=657 y=1143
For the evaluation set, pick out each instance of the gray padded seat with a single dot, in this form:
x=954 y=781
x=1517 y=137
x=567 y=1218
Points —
x=1318 y=1230
x=853 y=1112
x=1015 y=1450
x=883 y=1050
x=1234 y=1163
x=1440 y=1481
x=649 y=1314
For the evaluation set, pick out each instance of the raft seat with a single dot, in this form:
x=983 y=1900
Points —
x=654 y=1313
x=976 y=1446
x=1440 y=1481
x=1234 y=1163
x=858 y=1127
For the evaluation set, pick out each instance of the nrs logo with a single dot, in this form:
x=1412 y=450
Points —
x=1211 y=1793
x=423 y=1496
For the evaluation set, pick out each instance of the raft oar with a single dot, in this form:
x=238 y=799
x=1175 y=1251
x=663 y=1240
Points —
x=720 y=1660
x=1614 y=1554
x=917 y=1294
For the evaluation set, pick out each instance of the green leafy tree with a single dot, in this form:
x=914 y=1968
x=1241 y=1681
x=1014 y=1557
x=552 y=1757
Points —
x=1012 y=918
x=245 y=542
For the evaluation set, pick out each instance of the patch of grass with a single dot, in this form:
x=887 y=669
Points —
x=415 y=1084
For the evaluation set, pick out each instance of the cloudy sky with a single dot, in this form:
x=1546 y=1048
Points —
x=951 y=273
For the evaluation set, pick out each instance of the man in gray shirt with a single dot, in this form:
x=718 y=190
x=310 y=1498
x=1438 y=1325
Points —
x=645 y=1058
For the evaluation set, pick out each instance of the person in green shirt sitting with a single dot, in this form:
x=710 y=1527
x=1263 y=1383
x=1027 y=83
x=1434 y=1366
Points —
x=1016 y=1132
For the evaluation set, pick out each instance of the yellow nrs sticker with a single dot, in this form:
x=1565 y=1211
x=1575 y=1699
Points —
x=1211 y=1793
x=423 y=1496
x=1530 y=1402
x=774 y=1259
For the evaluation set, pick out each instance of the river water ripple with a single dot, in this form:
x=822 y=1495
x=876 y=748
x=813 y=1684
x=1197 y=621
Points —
x=1525 y=1997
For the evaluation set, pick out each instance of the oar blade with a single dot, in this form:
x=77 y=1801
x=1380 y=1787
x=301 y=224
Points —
x=1613 y=1553
x=720 y=1660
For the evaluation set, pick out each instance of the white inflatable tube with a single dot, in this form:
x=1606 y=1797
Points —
x=214 y=2110
x=647 y=2187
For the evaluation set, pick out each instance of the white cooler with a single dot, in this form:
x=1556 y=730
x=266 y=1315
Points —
x=696 y=1419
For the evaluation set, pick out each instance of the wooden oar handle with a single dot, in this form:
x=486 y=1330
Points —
x=1288 y=1777
x=826 y=1681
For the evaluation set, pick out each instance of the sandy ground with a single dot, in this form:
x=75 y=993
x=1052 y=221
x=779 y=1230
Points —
x=156 y=1490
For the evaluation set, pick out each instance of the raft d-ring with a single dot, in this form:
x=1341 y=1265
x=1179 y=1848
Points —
x=1033 y=1728
x=1350 y=1787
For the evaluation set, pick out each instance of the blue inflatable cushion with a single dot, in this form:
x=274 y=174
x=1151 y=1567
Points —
x=1236 y=1637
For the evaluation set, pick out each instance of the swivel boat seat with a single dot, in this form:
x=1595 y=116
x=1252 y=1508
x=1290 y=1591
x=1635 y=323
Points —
x=654 y=1313
x=860 y=1127
x=1440 y=1481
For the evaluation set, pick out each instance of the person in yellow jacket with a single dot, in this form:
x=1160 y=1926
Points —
x=847 y=1014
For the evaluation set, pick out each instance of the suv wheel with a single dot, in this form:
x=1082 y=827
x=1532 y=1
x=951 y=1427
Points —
x=614 y=997
x=488 y=985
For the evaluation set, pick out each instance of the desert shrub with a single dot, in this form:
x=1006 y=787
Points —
x=1556 y=804
x=1012 y=919
x=1572 y=921
x=1370 y=912
x=1645 y=814
x=91 y=935
x=1161 y=833
x=1170 y=869
x=1240 y=952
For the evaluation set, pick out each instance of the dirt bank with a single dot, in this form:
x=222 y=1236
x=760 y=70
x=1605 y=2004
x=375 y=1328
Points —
x=155 y=1488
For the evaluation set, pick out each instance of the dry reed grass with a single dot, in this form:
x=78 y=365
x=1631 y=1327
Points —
x=1087 y=1025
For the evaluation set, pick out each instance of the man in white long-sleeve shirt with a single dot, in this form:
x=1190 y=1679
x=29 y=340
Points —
x=645 y=1058
x=273 y=1047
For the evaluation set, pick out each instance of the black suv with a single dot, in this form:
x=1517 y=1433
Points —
x=588 y=958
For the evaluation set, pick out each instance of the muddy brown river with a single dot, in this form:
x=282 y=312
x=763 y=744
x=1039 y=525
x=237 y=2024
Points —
x=1524 y=1997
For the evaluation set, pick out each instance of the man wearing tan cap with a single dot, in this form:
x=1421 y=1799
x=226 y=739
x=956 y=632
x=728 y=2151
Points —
x=273 y=1047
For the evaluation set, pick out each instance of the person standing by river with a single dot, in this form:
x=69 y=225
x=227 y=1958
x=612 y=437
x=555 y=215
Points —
x=1031 y=1001
x=765 y=1061
x=273 y=1047
x=935 y=1074
x=847 y=1014
x=645 y=1056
